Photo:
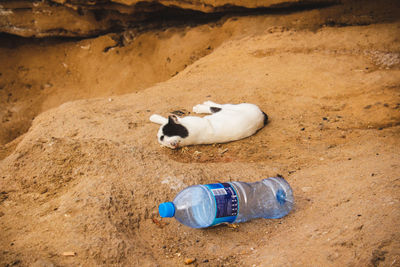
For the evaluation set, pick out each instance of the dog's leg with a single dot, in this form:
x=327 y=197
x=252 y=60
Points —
x=158 y=119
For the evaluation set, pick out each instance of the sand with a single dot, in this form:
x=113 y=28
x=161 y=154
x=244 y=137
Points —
x=82 y=174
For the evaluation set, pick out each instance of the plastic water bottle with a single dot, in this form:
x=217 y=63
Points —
x=202 y=206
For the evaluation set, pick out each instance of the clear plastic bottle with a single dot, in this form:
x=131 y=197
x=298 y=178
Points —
x=202 y=206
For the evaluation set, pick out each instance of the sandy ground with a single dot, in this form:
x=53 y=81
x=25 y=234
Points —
x=81 y=180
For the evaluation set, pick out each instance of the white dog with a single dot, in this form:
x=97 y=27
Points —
x=227 y=123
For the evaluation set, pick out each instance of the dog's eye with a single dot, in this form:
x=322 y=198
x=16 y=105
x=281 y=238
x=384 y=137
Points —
x=162 y=137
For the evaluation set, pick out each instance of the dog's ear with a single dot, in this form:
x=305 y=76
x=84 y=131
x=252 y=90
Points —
x=158 y=119
x=173 y=119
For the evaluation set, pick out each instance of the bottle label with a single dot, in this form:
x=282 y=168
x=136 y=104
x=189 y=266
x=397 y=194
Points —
x=227 y=203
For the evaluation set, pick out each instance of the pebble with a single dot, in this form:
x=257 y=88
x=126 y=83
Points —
x=68 y=253
x=306 y=188
x=232 y=225
x=223 y=151
x=188 y=261
x=367 y=106
x=86 y=47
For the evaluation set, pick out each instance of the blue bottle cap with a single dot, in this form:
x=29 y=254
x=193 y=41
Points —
x=281 y=196
x=166 y=209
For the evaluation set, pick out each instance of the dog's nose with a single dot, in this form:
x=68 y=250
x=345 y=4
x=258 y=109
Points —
x=175 y=144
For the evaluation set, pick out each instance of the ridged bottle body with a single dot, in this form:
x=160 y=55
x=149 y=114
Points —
x=202 y=206
x=270 y=198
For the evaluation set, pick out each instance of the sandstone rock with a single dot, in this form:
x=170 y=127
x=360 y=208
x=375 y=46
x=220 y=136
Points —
x=78 y=18
x=41 y=19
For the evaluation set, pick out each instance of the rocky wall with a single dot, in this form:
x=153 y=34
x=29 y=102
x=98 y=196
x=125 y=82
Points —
x=77 y=18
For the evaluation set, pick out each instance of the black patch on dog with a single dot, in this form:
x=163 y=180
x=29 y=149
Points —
x=215 y=109
x=174 y=129
x=265 y=119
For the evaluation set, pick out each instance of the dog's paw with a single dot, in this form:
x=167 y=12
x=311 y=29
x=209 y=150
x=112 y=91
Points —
x=198 y=108
x=155 y=118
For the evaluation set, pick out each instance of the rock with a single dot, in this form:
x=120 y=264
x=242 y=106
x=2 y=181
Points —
x=77 y=18
x=188 y=261
x=306 y=188
x=69 y=254
x=42 y=19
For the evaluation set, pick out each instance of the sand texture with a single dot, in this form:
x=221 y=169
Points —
x=82 y=174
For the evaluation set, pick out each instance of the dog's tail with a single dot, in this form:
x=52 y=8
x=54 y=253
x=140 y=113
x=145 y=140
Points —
x=265 y=118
